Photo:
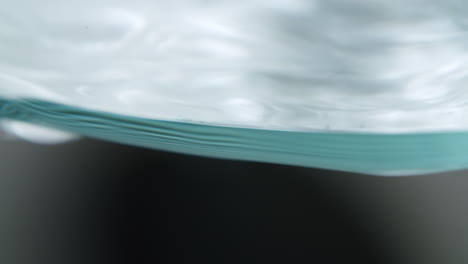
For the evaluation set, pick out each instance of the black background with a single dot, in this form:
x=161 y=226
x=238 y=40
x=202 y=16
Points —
x=97 y=202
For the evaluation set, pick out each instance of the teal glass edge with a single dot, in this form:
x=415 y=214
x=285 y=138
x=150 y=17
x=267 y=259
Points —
x=371 y=153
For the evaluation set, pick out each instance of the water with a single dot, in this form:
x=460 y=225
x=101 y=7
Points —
x=368 y=86
x=387 y=154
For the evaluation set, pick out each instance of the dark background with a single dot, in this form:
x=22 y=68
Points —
x=96 y=202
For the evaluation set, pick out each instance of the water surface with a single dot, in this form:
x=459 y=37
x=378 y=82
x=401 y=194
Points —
x=375 y=153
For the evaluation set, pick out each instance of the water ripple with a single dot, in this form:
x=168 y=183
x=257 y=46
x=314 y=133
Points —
x=322 y=65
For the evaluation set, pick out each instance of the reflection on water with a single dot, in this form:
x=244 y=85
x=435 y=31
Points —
x=297 y=65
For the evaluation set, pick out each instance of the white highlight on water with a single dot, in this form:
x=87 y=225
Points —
x=35 y=133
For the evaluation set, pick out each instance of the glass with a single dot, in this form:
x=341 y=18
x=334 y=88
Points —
x=364 y=86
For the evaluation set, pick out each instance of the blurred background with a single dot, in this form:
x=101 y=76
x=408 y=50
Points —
x=90 y=201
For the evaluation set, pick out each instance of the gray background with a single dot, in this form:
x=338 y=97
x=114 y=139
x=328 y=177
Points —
x=55 y=202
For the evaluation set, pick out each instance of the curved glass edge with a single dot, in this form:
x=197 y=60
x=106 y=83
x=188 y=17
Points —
x=379 y=154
